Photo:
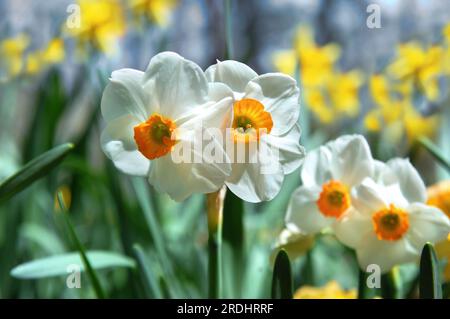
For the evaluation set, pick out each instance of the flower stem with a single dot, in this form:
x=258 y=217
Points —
x=214 y=210
x=228 y=31
x=390 y=284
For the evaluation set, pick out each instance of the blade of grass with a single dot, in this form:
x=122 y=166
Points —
x=282 y=277
x=141 y=190
x=87 y=265
x=433 y=149
x=429 y=283
x=151 y=281
x=34 y=170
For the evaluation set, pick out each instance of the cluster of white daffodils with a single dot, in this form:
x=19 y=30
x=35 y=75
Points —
x=166 y=124
x=376 y=208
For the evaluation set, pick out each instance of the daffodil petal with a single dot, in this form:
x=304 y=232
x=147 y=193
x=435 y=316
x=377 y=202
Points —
x=118 y=144
x=303 y=212
x=280 y=96
x=232 y=73
x=352 y=228
x=384 y=253
x=178 y=85
x=124 y=95
x=291 y=153
x=427 y=224
x=259 y=179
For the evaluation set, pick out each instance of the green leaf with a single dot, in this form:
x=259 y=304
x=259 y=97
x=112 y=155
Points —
x=282 y=277
x=33 y=170
x=232 y=245
x=89 y=269
x=390 y=284
x=57 y=265
x=433 y=149
x=429 y=283
x=148 y=272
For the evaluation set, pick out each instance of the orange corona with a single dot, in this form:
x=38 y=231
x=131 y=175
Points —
x=250 y=121
x=334 y=200
x=154 y=136
x=390 y=223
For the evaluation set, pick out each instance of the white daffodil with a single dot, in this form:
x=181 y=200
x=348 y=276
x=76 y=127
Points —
x=264 y=129
x=328 y=176
x=391 y=223
x=149 y=114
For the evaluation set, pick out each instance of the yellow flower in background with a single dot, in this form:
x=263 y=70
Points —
x=66 y=197
x=53 y=53
x=379 y=88
x=417 y=125
x=285 y=61
x=332 y=290
x=102 y=24
x=11 y=54
x=338 y=98
x=446 y=32
x=344 y=92
x=315 y=62
x=419 y=67
x=158 y=11
x=439 y=196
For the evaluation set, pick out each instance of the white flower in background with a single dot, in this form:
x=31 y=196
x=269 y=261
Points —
x=266 y=113
x=294 y=243
x=149 y=114
x=391 y=222
x=328 y=176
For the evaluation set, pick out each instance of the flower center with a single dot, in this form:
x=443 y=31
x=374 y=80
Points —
x=154 y=136
x=390 y=223
x=334 y=200
x=250 y=120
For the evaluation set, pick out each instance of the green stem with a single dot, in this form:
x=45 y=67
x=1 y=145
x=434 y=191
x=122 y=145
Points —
x=214 y=210
x=228 y=31
x=87 y=265
x=390 y=285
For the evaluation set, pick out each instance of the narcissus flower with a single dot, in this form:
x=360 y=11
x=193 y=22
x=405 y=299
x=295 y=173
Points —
x=332 y=290
x=328 y=176
x=266 y=112
x=391 y=222
x=11 y=54
x=151 y=116
x=102 y=23
x=157 y=11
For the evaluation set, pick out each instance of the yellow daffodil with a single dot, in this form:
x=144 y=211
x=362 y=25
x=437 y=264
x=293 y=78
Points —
x=315 y=62
x=157 y=11
x=11 y=54
x=53 y=53
x=419 y=67
x=379 y=88
x=102 y=24
x=332 y=290
x=439 y=196
x=344 y=92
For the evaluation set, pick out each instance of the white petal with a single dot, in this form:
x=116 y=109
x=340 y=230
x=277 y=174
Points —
x=125 y=95
x=234 y=74
x=280 y=96
x=180 y=180
x=316 y=167
x=353 y=227
x=351 y=159
x=427 y=224
x=412 y=186
x=118 y=144
x=291 y=154
x=178 y=85
x=303 y=212
x=369 y=197
x=384 y=253
x=259 y=179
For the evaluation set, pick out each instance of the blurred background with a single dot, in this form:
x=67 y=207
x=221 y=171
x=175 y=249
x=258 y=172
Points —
x=378 y=68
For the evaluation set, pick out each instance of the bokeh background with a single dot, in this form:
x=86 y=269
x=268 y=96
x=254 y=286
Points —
x=389 y=83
